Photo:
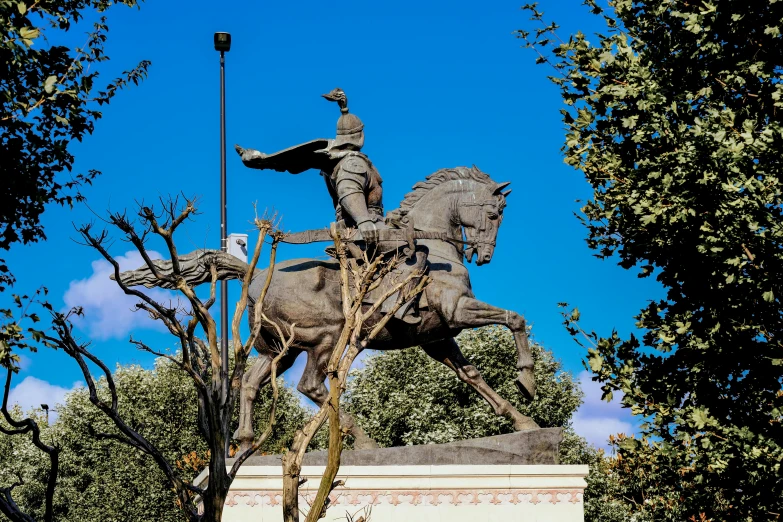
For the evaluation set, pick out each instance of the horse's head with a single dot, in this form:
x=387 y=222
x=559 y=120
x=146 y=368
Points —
x=463 y=201
x=480 y=214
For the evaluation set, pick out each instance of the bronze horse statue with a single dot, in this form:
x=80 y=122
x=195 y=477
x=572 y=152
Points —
x=307 y=292
x=466 y=205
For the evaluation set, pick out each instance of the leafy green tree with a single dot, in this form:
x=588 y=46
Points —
x=14 y=428
x=101 y=480
x=404 y=397
x=49 y=96
x=603 y=497
x=672 y=116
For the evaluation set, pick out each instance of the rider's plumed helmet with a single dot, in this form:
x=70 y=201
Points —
x=350 y=129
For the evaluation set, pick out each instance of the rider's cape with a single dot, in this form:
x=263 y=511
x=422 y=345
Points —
x=315 y=155
x=299 y=158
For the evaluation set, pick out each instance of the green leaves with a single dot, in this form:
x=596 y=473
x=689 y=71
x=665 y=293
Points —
x=595 y=361
x=13 y=335
x=28 y=34
x=48 y=99
x=629 y=444
x=103 y=480
x=406 y=397
x=584 y=118
x=673 y=118
x=700 y=417
x=49 y=84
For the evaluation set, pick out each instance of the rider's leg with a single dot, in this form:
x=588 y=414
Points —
x=313 y=387
x=409 y=311
x=447 y=352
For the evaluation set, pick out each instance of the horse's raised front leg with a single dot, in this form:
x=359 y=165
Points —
x=255 y=378
x=471 y=313
x=447 y=351
x=313 y=387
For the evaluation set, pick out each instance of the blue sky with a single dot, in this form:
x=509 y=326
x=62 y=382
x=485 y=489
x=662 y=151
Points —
x=437 y=84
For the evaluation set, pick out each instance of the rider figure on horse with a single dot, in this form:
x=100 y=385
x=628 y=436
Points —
x=353 y=183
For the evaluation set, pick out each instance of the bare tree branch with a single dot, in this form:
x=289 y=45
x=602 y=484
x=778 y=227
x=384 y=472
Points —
x=7 y=506
x=356 y=280
x=200 y=357
x=65 y=340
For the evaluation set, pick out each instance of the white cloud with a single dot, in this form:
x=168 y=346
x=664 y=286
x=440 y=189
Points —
x=108 y=312
x=596 y=419
x=32 y=392
x=24 y=362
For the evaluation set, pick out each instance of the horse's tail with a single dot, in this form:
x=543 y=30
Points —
x=194 y=267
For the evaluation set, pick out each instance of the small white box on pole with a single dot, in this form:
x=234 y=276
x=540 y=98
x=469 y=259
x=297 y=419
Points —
x=237 y=246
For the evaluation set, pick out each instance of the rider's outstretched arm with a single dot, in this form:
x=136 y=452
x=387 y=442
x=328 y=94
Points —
x=251 y=157
x=295 y=160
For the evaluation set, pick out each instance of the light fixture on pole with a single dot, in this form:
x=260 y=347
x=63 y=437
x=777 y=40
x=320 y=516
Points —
x=223 y=44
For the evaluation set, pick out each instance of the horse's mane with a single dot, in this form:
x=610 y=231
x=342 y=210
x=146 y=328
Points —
x=421 y=188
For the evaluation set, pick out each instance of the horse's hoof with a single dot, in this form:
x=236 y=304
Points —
x=362 y=443
x=526 y=383
x=525 y=423
x=245 y=440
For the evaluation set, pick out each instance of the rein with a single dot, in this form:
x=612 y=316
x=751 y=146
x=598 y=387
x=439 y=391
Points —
x=443 y=237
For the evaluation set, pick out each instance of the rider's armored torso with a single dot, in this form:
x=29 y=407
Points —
x=355 y=187
x=356 y=174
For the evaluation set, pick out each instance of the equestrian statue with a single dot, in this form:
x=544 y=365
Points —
x=449 y=218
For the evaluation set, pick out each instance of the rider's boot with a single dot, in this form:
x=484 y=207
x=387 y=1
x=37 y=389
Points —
x=409 y=312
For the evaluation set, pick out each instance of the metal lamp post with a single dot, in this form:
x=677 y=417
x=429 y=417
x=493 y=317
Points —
x=223 y=45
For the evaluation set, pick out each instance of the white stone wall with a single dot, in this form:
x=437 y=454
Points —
x=421 y=493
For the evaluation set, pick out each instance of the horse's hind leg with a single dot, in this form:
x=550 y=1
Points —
x=447 y=351
x=255 y=378
x=313 y=387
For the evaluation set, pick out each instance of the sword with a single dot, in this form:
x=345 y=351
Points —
x=402 y=235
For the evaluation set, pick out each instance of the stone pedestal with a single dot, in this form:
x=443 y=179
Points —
x=514 y=477
x=427 y=493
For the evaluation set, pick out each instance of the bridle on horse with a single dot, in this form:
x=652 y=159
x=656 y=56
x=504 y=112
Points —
x=482 y=231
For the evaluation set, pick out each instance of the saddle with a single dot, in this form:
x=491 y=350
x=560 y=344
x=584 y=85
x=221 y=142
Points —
x=411 y=259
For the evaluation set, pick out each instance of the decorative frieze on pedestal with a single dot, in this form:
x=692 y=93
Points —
x=431 y=493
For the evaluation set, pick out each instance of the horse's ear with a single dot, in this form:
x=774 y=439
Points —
x=501 y=186
x=506 y=193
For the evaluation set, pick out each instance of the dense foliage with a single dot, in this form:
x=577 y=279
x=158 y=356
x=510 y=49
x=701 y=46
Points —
x=405 y=397
x=105 y=481
x=400 y=397
x=672 y=117
x=48 y=97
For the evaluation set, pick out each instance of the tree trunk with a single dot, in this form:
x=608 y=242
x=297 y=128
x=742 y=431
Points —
x=335 y=450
